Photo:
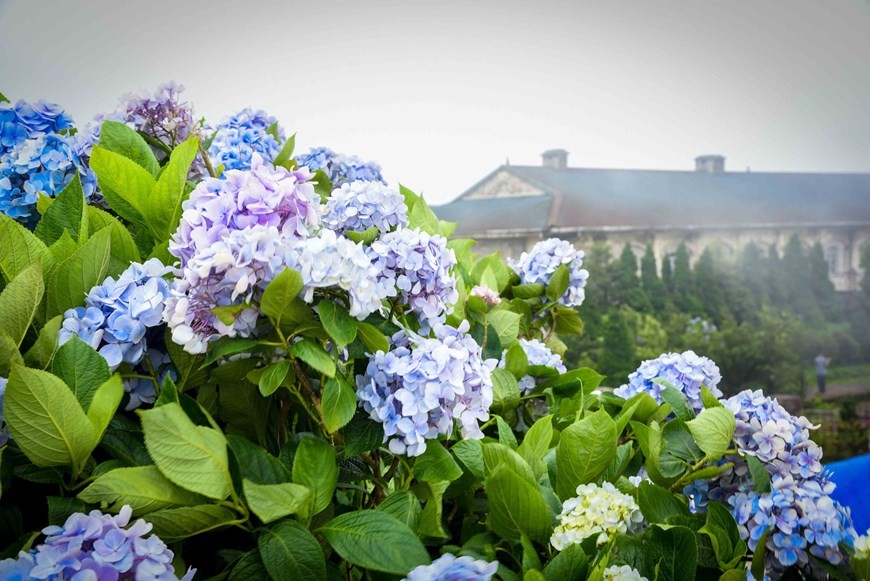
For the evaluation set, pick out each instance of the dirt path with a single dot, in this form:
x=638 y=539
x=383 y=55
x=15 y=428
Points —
x=841 y=390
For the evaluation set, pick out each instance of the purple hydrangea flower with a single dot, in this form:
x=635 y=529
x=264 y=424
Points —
x=23 y=120
x=423 y=386
x=263 y=195
x=685 y=371
x=488 y=295
x=418 y=265
x=539 y=265
x=449 y=567
x=96 y=546
x=340 y=168
x=4 y=432
x=538 y=354
x=238 y=137
x=360 y=205
x=163 y=115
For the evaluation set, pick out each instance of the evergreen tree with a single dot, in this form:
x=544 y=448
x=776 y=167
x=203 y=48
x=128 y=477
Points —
x=772 y=266
x=751 y=269
x=797 y=281
x=708 y=289
x=821 y=285
x=617 y=358
x=650 y=281
x=682 y=281
x=626 y=287
x=667 y=275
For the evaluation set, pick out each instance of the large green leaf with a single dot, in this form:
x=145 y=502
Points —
x=119 y=138
x=517 y=506
x=162 y=208
x=73 y=278
x=337 y=321
x=536 y=444
x=193 y=457
x=9 y=355
x=289 y=551
x=657 y=504
x=176 y=524
x=724 y=535
x=144 y=488
x=403 y=505
x=40 y=353
x=280 y=294
x=375 y=540
x=315 y=466
x=713 y=431
x=67 y=212
x=81 y=368
x=505 y=391
x=507 y=325
x=495 y=455
x=46 y=420
x=125 y=184
x=339 y=402
x=19 y=302
x=585 y=449
x=372 y=337
x=569 y=564
x=314 y=355
x=124 y=250
x=105 y=402
x=256 y=464
x=272 y=376
x=20 y=249
x=674 y=552
x=436 y=465
x=271 y=502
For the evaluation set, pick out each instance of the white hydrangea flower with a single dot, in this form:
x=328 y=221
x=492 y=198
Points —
x=624 y=573
x=862 y=546
x=598 y=511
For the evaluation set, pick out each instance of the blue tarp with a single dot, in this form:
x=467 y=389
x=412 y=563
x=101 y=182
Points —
x=852 y=478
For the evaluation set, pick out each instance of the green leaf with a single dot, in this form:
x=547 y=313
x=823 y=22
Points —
x=177 y=524
x=227 y=314
x=60 y=509
x=272 y=377
x=73 y=278
x=104 y=403
x=250 y=566
x=271 y=502
x=566 y=321
x=675 y=552
x=20 y=249
x=339 y=403
x=227 y=347
x=506 y=324
x=528 y=291
x=40 y=353
x=492 y=261
x=280 y=293
x=162 y=208
x=760 y=475
x=713 y=431
x=322 y=184
x=286 y=152
x=724 y=535
x=403 y=505
x=760 y=555
x=9 y=355
x=372 y=337
x=256 y=464
x=193 y=457
x=375 y=540
x=365 y=237
x=289 y=551
x=62 y=249
x=436 y=465
x=679 y=442
x=124 y=183
x=536 y=444
x=337 y=321
x=315 y=356
x=362 y=435
x=558 y=283
x=124 y=440
x=495 y=455
x=67 y=212
x=708 y=399
x=19 y=302
x=584 y=452
x=123 y=140
x=568 y=384
x=470 y=453
x=421 y=216
x=505 y=391
x=516 y=361
x=124 y=250
x=675 y=398
x=657 y=504
x=569 y=564
x=45 y=419
x=517 y=506
x=144 y=488
x=505 y=434
x=315 y=466
x=81 y=368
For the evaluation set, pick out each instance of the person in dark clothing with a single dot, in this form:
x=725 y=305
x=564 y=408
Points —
x=822 y=363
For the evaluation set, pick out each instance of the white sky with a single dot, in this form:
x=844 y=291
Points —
x=441 y=93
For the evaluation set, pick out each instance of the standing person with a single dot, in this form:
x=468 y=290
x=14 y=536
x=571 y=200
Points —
x=821 y=363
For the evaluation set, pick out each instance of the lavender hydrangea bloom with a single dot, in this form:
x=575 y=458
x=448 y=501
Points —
x=39 y=165
x=23 y=120
x=118 y=313
x=341 y=169
x=418 y=264
x=449 y=567
x=238 y=137
x=423 y=386
x=4 y=432
x=263 y=195
x=96 y=546
x=360 y=205
x=539 y=264
x=685 y=371
x=163 y=115
x=538 y=354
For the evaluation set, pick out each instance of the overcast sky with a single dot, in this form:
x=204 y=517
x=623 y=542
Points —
x=442 y=93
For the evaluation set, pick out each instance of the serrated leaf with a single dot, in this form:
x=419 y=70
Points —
x=272 y=377
x=289 y=551
x=675 y=398
x=314 y=355
x=20 y=249
x=339 y=403
x=315 y=466
x=505 y=391
x=256 y=464
x=657 y=504
x=40 y=353
x=81 y=368
x=708 y=399
x=144 y=488
x=536 y=444
x=9 y=355
x=506 y=324
x=585 y=450
x=517 y=506
x=286 y=152
x=227 y=347
x=436 y=465
x=713 y=431
x=104 y=403
x=760 y=475
x=123 y=140
x=124 y=183
x=124 y=250
x=558 y=283
x=19 y=303
x=162 y=208
x=470 y=453
x=403 y=505
x=177 y=524
x=516 y=361
x=339 y=325
x=271 y=502
x=73 y=278
x=372 y=337
x=280 y=294
x=68 y=212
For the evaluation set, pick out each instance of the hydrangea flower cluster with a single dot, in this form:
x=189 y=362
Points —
x=538 y=354
x=142 y=390
x=623 y=573
x=685 y=371
x=23 y=120
x=423 y=386
x=418 y=264
x=340 y=168
x=263 y=195
x=489 y=296
x=96 y=546
x=163 y=115
x=44 y=164
x=598 y=511
x=360 y=205
x=238 y=137
x=4 y=432
x=539 y=265
x=449 y=567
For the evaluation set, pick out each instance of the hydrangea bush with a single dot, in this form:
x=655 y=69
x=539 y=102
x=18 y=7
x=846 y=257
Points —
x=281 y=367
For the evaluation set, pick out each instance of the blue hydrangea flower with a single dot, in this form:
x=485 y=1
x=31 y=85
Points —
x=449 y=567
x=4 y=432
x=538 y=354
x=360 y=205
x=39 y=165
x=685 y=371
x=96 y=546
x=238 y=137
x=418 y=265
x=539 y=265
x=143 y=390
x=118 y=313
x=263 y=195
x=340 y=168
x=23 y=120
x=423 y=386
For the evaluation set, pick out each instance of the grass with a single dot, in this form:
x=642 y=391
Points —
x=840 y=374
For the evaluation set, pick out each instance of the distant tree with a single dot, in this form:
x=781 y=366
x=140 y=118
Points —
x=617 y=358
x=797 y=281
x=772 y=267
x=650 y=282
x=751 y=270
x=667 y=275
x=822 y=288
x=708 y=288
x=682 y=281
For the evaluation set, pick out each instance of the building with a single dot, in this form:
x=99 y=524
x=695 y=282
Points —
x=515 y=206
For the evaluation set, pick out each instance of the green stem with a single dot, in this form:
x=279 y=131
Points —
x=156 y=143
x=207 y=161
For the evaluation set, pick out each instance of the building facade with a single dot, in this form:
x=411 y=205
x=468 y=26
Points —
x=513 y=207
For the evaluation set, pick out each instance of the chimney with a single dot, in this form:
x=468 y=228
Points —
x=555 y=158
x=710 y=163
